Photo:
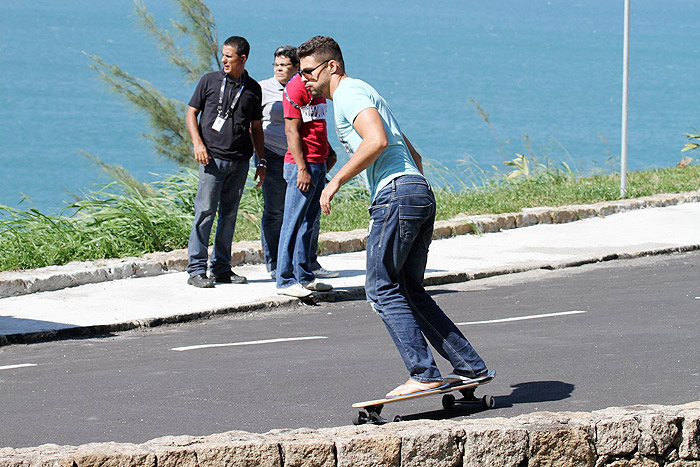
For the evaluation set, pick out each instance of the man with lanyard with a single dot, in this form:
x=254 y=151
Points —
x=305 y=173
x=223 y=139
x=285 y=66
x=402 y=214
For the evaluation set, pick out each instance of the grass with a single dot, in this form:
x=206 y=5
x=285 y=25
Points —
x=129 y=218
x=513 y=196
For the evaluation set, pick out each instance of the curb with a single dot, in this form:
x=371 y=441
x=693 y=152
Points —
x=645 y=435
x=335 y=295
x=15 y=283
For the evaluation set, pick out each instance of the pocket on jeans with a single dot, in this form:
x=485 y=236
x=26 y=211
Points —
x=411 y=219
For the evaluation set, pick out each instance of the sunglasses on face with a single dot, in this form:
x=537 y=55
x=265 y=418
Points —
x=308 y=72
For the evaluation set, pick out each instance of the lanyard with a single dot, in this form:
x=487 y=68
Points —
x=296 y=106
x=220 y=107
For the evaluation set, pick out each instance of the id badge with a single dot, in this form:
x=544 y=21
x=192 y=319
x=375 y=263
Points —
x=307 y=113
x=218 y=123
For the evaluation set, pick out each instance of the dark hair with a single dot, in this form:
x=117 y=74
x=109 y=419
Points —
x=288 y=51
x=240 y=44
x=322 y=48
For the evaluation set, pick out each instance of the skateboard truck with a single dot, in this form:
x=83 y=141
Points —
x=468 y=398
x=371 y=414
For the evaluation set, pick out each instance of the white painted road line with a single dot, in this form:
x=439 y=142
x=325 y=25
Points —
x=235 y=344
x=523 y=318
x=21 y=365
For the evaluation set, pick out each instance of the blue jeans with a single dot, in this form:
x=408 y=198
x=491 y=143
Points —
x=273 y=196
x=221 y=184
x=273 y=191
x=301 y=211
x=401 y=228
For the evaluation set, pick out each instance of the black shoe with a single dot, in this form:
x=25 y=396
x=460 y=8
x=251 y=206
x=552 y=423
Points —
x=201 y=280
x=231 y=278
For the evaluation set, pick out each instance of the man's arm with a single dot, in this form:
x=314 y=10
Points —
x=291 y=129
x=414 y=154
x=258 y=137
x=369 y=125
x=198 y=148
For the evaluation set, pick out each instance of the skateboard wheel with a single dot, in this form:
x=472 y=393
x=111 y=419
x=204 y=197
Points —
x=448 y=401
x=489 y=402
x=398 y=418
x=360 y=419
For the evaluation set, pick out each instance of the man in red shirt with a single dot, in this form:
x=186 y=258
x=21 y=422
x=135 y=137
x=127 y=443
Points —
x=305 y=174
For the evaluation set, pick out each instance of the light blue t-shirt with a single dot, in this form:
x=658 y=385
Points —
x=351 y=97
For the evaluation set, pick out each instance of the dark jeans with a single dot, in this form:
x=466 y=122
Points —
x=401 y=227
x=221 y=184
x=273 y=195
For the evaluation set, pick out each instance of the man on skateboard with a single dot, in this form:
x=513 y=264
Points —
x=402 y=214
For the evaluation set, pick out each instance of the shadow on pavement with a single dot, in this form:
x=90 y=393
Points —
x=24 y=331
x=536 y=391
x=523 y=393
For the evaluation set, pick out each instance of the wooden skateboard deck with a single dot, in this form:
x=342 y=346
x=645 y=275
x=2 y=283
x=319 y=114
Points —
x=374 y=407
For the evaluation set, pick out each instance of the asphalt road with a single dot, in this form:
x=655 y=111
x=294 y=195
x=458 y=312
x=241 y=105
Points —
x=612 y=334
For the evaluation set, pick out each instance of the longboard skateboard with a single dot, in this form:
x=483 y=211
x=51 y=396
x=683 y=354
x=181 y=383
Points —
x=372 y=409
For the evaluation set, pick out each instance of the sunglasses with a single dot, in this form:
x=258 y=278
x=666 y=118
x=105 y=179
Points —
x=308 y=71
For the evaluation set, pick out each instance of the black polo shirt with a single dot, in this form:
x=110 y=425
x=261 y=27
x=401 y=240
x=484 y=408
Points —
x=233 y=141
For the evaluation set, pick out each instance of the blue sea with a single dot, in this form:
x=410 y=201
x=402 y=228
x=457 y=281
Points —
x=549 y=74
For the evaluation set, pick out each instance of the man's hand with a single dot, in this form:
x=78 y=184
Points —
x=327 y=196
x=198 y=148
x=260 y=175
x=200 y=153
x=303 y=179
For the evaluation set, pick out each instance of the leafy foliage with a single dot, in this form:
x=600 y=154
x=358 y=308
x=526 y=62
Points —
x=199 y=26
x=693 y=142
x=166 y=117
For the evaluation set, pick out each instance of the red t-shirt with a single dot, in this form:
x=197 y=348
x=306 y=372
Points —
x=314 y=135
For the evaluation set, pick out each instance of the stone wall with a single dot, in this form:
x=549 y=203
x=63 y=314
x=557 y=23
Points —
x=13 y=283
x=621 y=437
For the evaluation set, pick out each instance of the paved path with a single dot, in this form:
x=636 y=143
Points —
x=574 y=339
x=148 y=301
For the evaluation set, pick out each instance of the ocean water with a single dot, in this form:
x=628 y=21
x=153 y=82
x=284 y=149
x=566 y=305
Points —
x=546 y=71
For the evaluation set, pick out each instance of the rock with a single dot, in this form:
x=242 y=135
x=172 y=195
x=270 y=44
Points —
x=174 y=451
x=304 y=447
x=561 y=445
x=564 y=215
x=443 y=229
x=369 y=450
x=427 y=443
x=343 y=242
x=690 y=443
x=636 y=461
x=535 y=216
x=617 y=435
x=241 y=453
x=657 y=434
x=494 y=442
x=111 y=455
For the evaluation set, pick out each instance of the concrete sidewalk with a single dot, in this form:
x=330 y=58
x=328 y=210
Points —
x=96 y=308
